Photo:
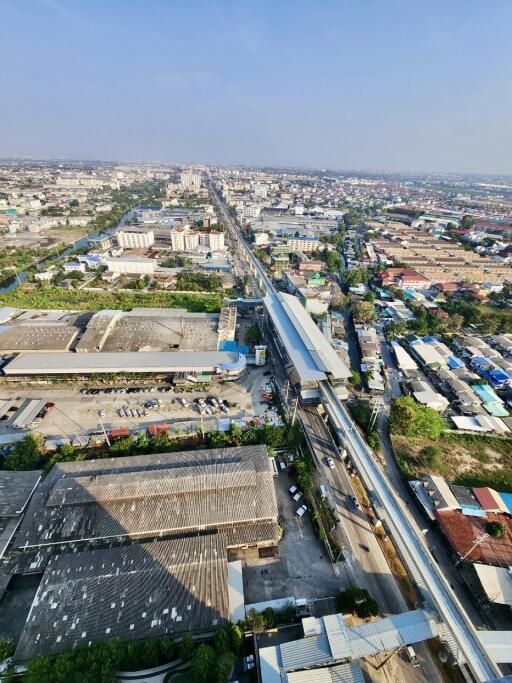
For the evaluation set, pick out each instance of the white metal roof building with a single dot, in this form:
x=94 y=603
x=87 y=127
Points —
x=337 y=643
x=307 y=347
x=342 y=673
x=403 y=359
x=496 y=583
x=68 y=363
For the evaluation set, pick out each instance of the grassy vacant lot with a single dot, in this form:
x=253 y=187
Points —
x=77 y=300
x=464 y=459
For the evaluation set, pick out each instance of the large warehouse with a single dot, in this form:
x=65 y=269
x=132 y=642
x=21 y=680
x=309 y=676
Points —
x=161 y=341
x=224 y=364
x=151 y=496
x=138 y=546
x=139 y=591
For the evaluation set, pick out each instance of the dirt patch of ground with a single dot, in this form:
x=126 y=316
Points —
x=470 y=459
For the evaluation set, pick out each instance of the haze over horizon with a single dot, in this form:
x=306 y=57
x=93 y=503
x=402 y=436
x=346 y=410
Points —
x=351 y=85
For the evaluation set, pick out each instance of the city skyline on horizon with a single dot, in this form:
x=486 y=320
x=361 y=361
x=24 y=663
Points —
x=399 y=88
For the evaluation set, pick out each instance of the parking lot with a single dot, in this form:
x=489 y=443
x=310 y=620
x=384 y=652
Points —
x=78 y=412
x=302 y=569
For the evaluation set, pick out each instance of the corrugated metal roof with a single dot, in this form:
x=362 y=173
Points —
x=141 y=495
x=489 y=499
x=323 y=354
x=295 y=347
x=270 y=663
x=132 y=361
x=341 y=673
x=337 y=636
x=312 y=651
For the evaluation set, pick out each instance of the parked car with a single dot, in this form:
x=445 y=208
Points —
x=330 y=463
x=301 y=511
x=293 y=489
x=355 y=502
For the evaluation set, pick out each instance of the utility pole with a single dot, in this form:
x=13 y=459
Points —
x=105 y=432
x=295 y=410
x=375 y=412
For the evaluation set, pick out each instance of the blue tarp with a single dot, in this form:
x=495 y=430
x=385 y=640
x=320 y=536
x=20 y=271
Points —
x=233 y=346
x=454 y=362
x=507 y=499
x=472 y=512
x=429 y=340
x=480 y=360
x=486 y=393
x=495 y=376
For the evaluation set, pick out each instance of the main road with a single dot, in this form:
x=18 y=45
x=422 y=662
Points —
x=434 y=587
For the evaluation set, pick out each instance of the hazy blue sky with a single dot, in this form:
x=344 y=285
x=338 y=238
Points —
x=383 y=84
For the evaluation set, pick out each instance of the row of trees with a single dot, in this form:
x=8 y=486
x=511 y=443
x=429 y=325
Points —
x=28 y=454
x=209 y=663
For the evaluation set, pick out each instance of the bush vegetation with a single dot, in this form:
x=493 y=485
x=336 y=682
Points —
x=80 y=300
x=413 y=420
x=362 y=413
x=357 y=601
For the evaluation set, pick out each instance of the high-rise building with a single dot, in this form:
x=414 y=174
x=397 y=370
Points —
x=135 y=238
x=191 y=240
x=190 y=181
x=178 y=239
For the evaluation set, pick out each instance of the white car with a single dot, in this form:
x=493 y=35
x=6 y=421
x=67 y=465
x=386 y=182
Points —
x=301 y=511
x=330 y=463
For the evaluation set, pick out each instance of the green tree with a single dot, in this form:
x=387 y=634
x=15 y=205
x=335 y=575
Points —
x=236 y=637
x=187 y=647
x=203 y=663
x=355 y=378
x=410 y=419
x=39 y=669
x=467 y=221
x=221 y=642
x=270 y=617
x=7 y=647
x=218 y=439
x=356 y=600
x=303 y=469
x=333 y=261
x=396 y=329
x=496 y=529
x=253 y=334
x=223 y=667
x=167 y=649
x=26 y=454
x=363 y=311
x=254 y=621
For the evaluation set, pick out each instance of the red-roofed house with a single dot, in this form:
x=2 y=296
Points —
x=446 y=287
x=467 y=536
x=489 y=499
x=405 y=278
